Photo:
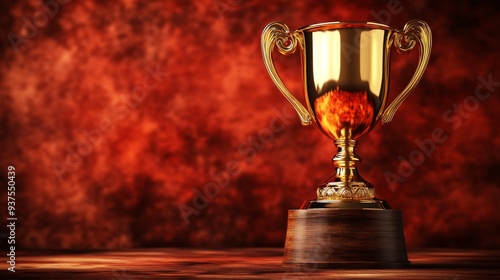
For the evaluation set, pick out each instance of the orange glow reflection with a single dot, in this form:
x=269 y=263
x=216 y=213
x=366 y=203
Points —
x=340 y=109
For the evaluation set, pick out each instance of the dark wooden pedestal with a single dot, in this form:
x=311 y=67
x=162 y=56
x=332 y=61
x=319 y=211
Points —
x=345 y=238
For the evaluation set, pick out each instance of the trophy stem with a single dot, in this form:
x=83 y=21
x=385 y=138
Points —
x=346 y=184
x=346 y=161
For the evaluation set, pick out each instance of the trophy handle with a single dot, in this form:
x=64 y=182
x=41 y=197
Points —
x=404 y=41
x=277 y=33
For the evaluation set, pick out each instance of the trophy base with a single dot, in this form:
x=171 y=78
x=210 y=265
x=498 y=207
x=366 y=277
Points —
x=369 y=204
x=345 y=234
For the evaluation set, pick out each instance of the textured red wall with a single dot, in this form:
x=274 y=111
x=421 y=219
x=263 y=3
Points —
x=117 y=115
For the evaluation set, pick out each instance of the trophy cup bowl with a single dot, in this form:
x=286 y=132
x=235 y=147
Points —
x=345 y=70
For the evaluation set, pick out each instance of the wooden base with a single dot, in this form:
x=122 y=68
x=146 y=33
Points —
x=345 y=238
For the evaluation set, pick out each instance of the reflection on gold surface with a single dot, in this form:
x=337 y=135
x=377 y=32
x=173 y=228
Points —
x=339 y=111
x=346 y=80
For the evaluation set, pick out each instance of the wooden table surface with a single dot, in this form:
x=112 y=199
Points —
x=250 y=263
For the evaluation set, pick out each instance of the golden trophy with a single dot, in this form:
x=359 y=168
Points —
x=345 y=70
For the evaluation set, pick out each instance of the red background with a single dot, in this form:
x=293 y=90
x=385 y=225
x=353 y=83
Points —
x=77 y=72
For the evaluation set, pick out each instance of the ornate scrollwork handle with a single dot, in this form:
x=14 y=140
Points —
x=277 y=33
x=404 y=41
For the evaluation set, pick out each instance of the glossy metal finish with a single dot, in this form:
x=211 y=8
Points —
x=346 y=79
